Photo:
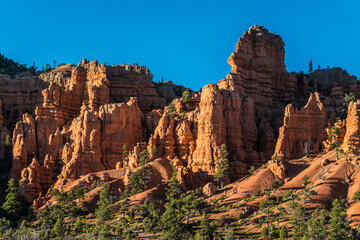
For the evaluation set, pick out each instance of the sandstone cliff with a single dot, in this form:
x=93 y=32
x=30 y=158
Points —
x=352 y=137
x=76 y=130
x=258 y=69
x=87 y=112
x=304 y=128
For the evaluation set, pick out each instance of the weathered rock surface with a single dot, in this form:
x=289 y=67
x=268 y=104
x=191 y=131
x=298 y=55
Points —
x=302 y=127
x=82 y=119
x=133 y=81
x=211 y=129
x=351 y=142
x=258 y=69
x=4 y=132
x=19 y=94
x=209 y=189
x=24 y=145
x=77 y=127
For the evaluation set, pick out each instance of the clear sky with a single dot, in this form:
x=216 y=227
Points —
x=187 y=42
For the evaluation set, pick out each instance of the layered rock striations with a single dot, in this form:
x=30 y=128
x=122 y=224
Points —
x=87 y=113
x=258 y=69
x=331 y=83
x=352 y=136
x=304 y=128
x=19 y=94
x=77 y=130
x=133 y=81
x=4 y=132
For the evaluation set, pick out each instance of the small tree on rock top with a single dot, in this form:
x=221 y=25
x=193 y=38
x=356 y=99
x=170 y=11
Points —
x=310 y=66
x=348 y=98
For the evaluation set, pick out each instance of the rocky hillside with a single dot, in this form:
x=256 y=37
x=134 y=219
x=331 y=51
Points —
x=78 y=125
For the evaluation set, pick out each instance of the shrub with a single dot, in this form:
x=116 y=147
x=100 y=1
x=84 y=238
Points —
x=356 y=196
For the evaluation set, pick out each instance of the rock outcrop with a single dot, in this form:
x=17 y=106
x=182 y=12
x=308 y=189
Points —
x=77 y=130
x=4 y=132
x=258 y=69
x=304 y=128
x=19 y=94
x=211 y=129
x=225 y=118
x=24 y=145
x=133 y=81
x=351 y=142
x=87 y=113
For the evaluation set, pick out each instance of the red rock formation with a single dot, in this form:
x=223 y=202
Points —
x=133 y=81
x=3 y=131
x=24 y=145
x=352 y=137
x=304 y=126
x=20 y=94
x=120 y=125
x=134 y=156
x=97 y=138
x=278 y=168
x=76 y=127
x=225 y=118
x=173 y=138
x=258 y=69
x=211 y=129
x=340 y=126
x=37 y=178
x=80 y=127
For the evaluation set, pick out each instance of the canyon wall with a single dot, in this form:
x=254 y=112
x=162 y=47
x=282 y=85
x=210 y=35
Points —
x=303 y=130
x=88 y=112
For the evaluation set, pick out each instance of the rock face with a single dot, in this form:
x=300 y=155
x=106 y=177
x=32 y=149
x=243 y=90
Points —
x=331 y=83
x=169 y=90
x=4 y=132
x=87 y=113
x=19 y=95
x=24 y=145
x=77 y=130
x=96 y=139
x=302 y=128
x=133 y=81
x=352 y=137
x=258 y=69
x=173 y=137
x=209 y=189
x=211 y=129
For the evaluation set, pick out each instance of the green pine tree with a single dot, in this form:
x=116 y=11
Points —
x=186 y=95
x=222 y=166
x=229 y=234
x=125 y=154
x=174 y=189
x=58 y=229
x=333 y=139
x=339 y=225
x=207 y=231
x=12 y=204
x=348 y=98
x=265 y=232
x=283 y=233
x=139 y=180
x=316 y=225
x=103 y=212
x=299 y=221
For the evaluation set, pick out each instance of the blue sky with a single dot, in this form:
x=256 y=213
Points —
x=187 y=42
